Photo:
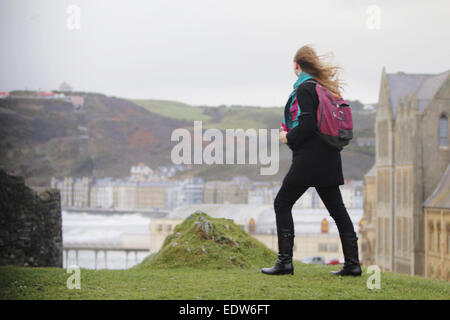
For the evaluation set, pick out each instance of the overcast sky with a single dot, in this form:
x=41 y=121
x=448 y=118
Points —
x=215 y=52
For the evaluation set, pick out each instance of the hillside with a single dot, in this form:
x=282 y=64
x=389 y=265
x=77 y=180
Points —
x=203 y=241
x=356 y=160
x=41 y=138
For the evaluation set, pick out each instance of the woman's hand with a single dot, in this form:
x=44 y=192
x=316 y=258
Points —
x=282 y=136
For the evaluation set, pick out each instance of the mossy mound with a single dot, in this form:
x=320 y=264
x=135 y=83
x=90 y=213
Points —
x=202 y=241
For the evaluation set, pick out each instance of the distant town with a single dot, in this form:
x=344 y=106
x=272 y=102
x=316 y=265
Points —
x=155 y=190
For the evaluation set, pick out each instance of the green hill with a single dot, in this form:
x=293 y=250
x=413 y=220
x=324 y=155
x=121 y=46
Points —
x=41 y=138
x=356 y=160
x=202 y=241
x=173 y=109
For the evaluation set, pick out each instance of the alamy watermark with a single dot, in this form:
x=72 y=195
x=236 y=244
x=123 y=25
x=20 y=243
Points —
x=74 y=281
x=73 y=21
x=234 y=151
x=374 y=280
x=373 y=21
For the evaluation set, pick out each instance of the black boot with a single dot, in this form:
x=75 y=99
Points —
x=351 y=267
x=283 y=265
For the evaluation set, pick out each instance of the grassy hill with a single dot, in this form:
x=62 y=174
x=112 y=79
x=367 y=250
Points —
x=203 y=241
x=41 y=138
x=356 y=160
x=208 y=258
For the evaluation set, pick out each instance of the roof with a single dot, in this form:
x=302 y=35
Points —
x=372 y=171
x=440 y=198
x=46 y=93
x=424 y=85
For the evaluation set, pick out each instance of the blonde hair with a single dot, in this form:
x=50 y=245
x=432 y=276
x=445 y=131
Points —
x=325 y=73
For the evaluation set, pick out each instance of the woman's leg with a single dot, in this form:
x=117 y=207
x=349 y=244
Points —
x=284 y=201
x=332 y=198
x=283 y=204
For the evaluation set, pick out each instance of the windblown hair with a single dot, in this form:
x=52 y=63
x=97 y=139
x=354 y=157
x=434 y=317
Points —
x=325 y=73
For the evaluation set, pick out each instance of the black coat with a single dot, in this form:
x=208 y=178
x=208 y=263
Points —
x=314 y=163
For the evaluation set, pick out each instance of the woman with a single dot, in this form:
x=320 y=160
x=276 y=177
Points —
x=314 y=164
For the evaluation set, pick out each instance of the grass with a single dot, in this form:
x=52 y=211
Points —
x=215 y=117
x=173 y=109
x=207 y=258
x=308 y=282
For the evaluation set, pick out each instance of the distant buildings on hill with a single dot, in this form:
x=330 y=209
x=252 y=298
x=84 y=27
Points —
x=64 y=93
x=148 y=189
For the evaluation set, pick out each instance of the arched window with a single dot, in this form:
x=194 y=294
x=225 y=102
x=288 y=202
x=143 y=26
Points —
x=431 y=236
x=443 y=131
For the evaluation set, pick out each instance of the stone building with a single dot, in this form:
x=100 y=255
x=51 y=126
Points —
x=368 y=230
x=437 y=215
x=412 y=154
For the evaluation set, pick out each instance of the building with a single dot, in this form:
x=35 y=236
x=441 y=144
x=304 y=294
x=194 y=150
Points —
x=368 y=230
x=81 y=192
x=67 y=192
x=150 y=195
x=309 y=199
x=142 y=172
x=126 y=195
x=263 y=192
x=352 y=194
x=102 y=193
x=184 y=192
x=64 y=87
x=365 y=141
x=234 y=191
x=437 y=217
x=412 y=154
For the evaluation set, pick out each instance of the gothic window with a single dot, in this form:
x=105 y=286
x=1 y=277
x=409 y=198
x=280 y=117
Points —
x=438 y=245
x=383 y=139
x=379 y=236
x=405 y=235
x=431 y=236
x=443 y=131
x=387 y=236
x=448 y=238
x=399 y=234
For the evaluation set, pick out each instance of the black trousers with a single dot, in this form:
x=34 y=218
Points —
x=331 y=197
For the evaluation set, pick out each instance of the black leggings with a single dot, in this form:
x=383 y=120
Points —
x=331 y=197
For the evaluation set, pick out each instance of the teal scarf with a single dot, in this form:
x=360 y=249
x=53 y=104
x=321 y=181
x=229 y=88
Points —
x=303 y=76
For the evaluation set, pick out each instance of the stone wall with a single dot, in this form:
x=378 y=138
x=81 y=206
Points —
x=30 y=224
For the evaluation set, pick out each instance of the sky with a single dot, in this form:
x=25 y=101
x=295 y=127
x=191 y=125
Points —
x=215 y=52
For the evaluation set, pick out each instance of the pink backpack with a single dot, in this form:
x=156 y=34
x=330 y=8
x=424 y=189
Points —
x=334 y=118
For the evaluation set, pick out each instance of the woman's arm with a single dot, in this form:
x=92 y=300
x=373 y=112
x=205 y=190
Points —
x=307 y=100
